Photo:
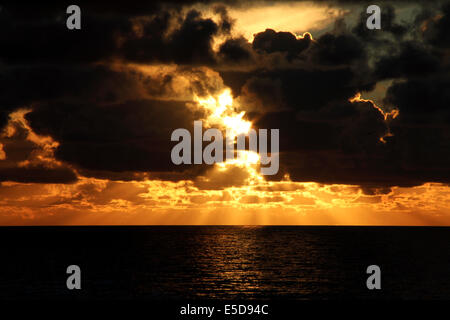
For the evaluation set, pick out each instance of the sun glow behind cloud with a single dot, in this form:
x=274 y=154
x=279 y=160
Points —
x=294 y=17
x=223 y=114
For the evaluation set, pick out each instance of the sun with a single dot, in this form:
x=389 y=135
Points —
x=236 y=124
x=222 y=113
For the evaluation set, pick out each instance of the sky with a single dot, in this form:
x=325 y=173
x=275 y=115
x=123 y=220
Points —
x=86 y=115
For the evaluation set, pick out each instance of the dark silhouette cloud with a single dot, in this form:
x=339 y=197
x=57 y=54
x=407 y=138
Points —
x=134 y=135
x=271 y=41
x=38 y=174
x=338 y=49
x=235 y=50
x=412 y=60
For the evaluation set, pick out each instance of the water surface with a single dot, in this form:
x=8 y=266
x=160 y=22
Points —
x=225 y=262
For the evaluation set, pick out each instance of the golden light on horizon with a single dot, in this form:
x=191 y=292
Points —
x=186 y=202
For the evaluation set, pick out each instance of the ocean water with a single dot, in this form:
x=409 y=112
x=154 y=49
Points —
x=225 y=262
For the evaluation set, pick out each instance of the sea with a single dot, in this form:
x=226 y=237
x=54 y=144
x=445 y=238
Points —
x=225 y=262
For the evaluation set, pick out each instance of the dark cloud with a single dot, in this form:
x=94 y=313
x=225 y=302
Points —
x=38 y=174
x=27 y=160
x=436 y=28
x=303 y=89
x=422 y=97
x=109 y=122
x=271 y=41
x=309 y=77
x=412 y=60
x=324 y=135
x=163 y=35
x=114 y=121
x=131 y=136
x=422 y=131
x=235 y=50
x=336 y=144
x=389 y=25
x=189 y=43
x=338 y=49
x=45 y=39
x=25 y=85
x=326 y=138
